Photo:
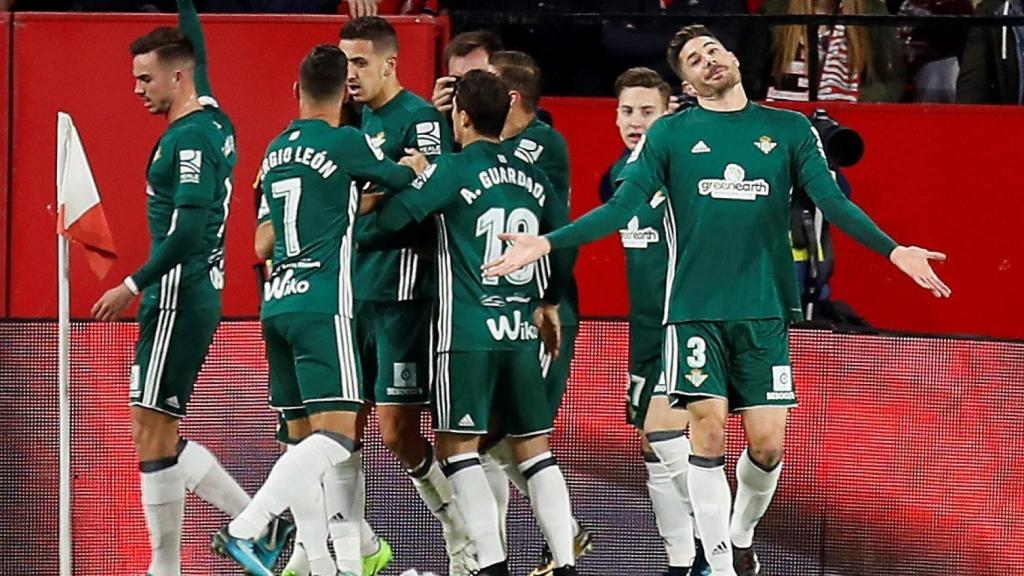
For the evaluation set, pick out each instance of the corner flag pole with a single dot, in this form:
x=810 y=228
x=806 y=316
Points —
x=64 y=403
x=63 y=366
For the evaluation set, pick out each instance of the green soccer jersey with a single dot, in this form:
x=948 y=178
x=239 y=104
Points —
x=406 y=121
x=311 y=198
x=190 y=166
x=542 y=146
x=476 y=195
x=728 y=177
x=644 y=242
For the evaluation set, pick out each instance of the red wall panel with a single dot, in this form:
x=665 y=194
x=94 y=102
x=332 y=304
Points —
x=944 y=177
x=80 y=64
x=5 y=101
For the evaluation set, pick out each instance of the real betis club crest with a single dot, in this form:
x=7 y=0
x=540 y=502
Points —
x=765 y=144
x=696 y=377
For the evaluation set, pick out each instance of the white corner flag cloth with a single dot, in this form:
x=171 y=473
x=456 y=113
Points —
x=80 y=215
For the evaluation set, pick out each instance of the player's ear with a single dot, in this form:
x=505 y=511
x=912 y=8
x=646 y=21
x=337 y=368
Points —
x=689 y=90
x=295 y=89
x=514 y=98
x=390 y=64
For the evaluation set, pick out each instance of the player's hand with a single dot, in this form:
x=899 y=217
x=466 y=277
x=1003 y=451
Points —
x=415 y=160
x=526 y=249
x=444 y=88
x=368 y=202
x=112 y=303
x=357 y=8
x=914 y=262
x=546 y=319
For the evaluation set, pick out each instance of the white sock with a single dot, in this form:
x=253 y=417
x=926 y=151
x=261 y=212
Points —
x=755 y=488
x=672 y=512
x=340 y=488
x=206 y=478
x=296 y=482
x=433 y=488
x=709 y=493
x=163 y=500
x=499 y=487
x=551 y=506
x=476 y=503
x=502 y=453
x=298 y=562
x=367 y=537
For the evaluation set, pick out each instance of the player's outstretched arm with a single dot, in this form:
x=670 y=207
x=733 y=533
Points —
x=599 y=222
x=188 y=22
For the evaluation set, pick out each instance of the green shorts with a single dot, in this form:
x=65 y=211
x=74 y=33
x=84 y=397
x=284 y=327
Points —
x=393 y=340
x=646 y=380
x=556 y=372
x=745 y=362
x=171 y=349
x=471 y=386
x=313 y=364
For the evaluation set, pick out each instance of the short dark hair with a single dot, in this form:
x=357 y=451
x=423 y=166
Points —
x=169 y=43
x=514 y=58
x=522 y=80
x=485 y=99
x=323 y=72
x=466 y=42
x=373 y=28
x=684 y=35
x=642 y=77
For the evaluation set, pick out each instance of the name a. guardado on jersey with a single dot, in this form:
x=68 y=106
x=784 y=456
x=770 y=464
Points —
x=315 y=159
x=496 y=175
x=734 y=186
x=512 y=329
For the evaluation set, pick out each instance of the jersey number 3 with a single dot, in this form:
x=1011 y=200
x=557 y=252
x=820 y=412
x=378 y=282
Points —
x=494 y=222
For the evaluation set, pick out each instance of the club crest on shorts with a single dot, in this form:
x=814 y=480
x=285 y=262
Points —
x=696 y=377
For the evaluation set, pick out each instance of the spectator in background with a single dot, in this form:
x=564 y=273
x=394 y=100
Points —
x=932 y=51
x=855 y=63
x=990 y=66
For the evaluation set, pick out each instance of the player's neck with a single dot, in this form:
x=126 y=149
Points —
x=329 y=114
x=517 y=121
x=387 y=94
x=472 y=136
x=732 y=100
x=183 y=107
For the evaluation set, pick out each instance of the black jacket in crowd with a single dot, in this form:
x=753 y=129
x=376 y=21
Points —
x=989 y=68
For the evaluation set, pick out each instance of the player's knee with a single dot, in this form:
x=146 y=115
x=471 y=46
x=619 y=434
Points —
x=151 y=439
x=767 y=453
x=707 y=436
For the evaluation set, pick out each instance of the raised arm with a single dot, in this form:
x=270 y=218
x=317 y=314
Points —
x=188 y=22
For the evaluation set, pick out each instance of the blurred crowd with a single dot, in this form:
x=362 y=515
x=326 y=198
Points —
x=934 y=62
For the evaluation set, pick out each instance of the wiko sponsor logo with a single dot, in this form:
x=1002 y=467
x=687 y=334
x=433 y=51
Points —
x=512 y=329
x=284 y=285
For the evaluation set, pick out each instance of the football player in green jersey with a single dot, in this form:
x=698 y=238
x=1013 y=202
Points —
x=189 y=188
x=727 y=166
x=643 y=97
x=376 y=552
x=393 y=292
x=533 y=141
x=487 y=366
x=311 y=197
